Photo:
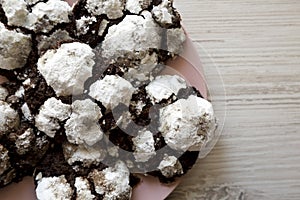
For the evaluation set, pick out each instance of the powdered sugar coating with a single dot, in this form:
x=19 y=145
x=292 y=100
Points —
x=15 y=11
x=82 y=24
x=134 y=6
x=133 y=34
x=15 y=48
x=175 y=40
x=31 y=2
x=50 y=188
x=170 y=166
x=113 y=151
x=83 y=127
x=163 y=12
x=162 y=87
x=111 y=91
x=112 y=8
x=9 y=118
x=51 y=114
x=42 y=18
x=187 y=123
x=85 y=155
x=83 y=189
x=103 y=25
x=4 y=159
x=24 y=140
x=143 y=71
x=3 y=93
x=112 y=182
x=67 y=68
x=45 y=16
x=144 y=146
x=20 y=92
x=26 y=112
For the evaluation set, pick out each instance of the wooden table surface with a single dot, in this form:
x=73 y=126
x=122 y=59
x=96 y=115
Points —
x=255 y=45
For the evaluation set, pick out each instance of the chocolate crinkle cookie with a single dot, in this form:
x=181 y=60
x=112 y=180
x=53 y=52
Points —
x=84 y=109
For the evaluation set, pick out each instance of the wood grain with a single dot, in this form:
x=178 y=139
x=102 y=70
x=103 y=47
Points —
x=255 y=45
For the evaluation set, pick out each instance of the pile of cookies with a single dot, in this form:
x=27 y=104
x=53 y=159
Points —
x=84 y=109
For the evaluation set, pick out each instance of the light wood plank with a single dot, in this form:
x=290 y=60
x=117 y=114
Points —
x=255 y=44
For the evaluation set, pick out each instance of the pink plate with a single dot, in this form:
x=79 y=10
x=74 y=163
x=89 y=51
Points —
x=189 y=67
